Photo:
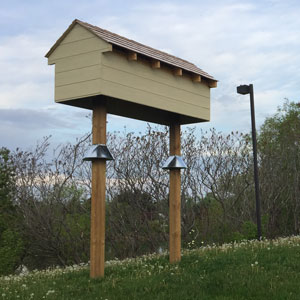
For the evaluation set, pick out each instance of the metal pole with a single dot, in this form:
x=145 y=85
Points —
x=258 y=216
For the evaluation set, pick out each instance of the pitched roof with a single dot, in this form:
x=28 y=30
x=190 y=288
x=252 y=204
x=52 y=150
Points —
x=134 y=46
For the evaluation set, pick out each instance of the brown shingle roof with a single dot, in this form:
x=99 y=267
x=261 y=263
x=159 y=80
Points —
x=134 y=46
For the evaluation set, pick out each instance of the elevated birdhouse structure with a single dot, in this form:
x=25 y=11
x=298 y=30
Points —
x=107 y=73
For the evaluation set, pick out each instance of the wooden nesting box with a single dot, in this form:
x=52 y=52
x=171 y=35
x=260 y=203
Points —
x=135 y=80
x=102 y=71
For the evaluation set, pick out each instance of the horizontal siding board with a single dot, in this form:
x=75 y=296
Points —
x=77 y=75
x=78 y=61
x=77 y=90
x=116 y=90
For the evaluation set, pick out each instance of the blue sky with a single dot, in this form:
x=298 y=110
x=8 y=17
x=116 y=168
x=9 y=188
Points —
x=235 y=41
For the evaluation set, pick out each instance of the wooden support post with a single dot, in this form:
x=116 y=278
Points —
x=175 y=199
x=97 y=246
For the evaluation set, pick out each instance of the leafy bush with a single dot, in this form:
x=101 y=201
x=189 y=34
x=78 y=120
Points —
x=11 y=250
x=11 y=244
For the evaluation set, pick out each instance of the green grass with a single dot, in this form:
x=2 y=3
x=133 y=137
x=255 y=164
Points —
x=247 y=270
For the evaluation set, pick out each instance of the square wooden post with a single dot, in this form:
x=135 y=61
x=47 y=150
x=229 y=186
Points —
x=175 y=198
x=97 y=245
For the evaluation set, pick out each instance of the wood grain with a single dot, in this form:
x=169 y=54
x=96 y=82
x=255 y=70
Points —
x=175 y=198
x=97 y=246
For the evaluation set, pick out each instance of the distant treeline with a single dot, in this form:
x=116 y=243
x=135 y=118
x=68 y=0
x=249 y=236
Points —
x=45 y=203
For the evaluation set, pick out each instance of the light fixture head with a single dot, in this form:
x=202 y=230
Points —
x=243 y=89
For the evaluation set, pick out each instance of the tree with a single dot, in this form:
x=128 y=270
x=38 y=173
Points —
x=279 y=148
x=53 y=201
x=6 y=188
x=11 y=243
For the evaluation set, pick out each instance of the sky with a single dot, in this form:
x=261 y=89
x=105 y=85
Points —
x=238 y=42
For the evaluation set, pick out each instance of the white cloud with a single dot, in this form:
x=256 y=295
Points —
x=238 y=42
x=25 y=77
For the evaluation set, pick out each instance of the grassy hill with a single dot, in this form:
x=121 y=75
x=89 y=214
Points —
x=246 y=270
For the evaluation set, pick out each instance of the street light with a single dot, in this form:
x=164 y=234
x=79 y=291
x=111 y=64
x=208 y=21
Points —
x=244 y=90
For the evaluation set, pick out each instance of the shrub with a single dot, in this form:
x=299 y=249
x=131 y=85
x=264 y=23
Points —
x=11 y=251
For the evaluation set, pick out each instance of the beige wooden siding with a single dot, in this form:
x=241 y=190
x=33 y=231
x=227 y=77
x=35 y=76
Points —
x=78 y=47
x=77 y=75
x=78 y=61
x=142 y=69
x=77 y=65
x=77 y=90
x=137 y=82
x=116 y=90
x=78 y=41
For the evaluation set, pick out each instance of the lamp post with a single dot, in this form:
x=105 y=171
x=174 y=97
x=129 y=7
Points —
x=244 y=90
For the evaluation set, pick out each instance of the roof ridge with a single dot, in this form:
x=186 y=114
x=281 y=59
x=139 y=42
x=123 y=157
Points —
x=118 y=35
